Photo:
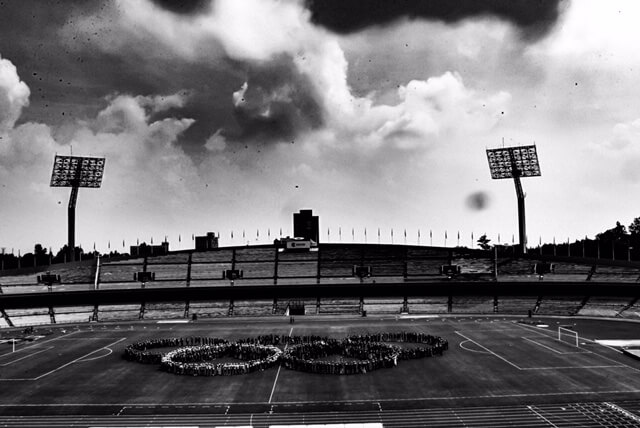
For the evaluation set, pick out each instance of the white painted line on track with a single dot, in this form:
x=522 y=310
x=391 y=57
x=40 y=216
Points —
x=541 y=417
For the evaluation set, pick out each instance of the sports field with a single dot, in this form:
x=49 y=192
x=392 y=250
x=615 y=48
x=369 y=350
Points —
x=495 y=368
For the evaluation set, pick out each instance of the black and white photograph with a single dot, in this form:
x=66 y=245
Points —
x=319 y=213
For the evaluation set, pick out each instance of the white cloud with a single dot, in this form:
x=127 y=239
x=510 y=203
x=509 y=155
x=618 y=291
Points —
x=14 y=95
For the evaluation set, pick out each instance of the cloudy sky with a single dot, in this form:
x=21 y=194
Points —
x=229 y=115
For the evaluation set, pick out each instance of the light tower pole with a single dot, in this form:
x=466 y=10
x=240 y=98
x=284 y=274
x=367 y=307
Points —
x=75 y=172
x=515 y=162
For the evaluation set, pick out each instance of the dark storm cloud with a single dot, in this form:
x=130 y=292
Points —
x=278 y=102
x=184 y=7
x=533 y=17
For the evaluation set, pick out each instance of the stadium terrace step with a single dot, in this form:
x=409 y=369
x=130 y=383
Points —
x=604 y=306
x=73 y=314
x=118 y=312
x=209 y=270
x=472 y=304
x=559 y=305
x=297 y=269
x=164 y=310
x=516 y=304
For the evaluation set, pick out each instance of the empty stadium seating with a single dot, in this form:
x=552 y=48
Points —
x=73 y=314
x=31 y=316
x=428 y=305
x=604 y=306
x=328 y=264
x=118 y=312
x=472 y=304
x=560 y=305
x=173 y=310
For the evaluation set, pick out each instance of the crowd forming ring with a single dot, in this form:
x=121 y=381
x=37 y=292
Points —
x=355 y=354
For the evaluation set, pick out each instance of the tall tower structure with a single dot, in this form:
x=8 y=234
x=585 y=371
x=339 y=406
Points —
x=515 y=162
x=306 y=225
x=76 y=172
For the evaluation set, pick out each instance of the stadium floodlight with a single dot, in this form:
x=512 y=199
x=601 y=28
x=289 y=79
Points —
x=515 y=162
x=76 y=172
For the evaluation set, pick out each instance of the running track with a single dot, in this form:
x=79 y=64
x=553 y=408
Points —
x=590 y=414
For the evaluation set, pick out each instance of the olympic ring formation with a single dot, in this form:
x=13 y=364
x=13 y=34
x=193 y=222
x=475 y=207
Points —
x=356 y=354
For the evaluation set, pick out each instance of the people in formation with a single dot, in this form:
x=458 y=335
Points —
x=356 y=354
x=199 y=360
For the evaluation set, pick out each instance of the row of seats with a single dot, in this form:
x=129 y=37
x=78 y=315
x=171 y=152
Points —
x=595 y=306
x=331 y=261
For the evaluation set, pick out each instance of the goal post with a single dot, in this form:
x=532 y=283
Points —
x=568 y=335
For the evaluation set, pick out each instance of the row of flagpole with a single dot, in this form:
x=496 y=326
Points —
x=381 y=238
x=391 y=236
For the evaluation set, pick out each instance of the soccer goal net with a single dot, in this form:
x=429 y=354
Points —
x=569 y=336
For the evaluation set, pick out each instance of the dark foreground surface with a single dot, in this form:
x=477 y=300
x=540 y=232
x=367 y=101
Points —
x=497 y=372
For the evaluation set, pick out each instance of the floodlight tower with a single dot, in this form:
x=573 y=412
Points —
x=76 y=172
x=515 y=162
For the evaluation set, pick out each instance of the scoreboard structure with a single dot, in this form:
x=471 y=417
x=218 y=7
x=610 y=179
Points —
x=515 y=162
x=76 y=172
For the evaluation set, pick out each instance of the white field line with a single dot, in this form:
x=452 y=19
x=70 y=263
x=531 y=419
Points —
x=584 y=351
x=99 y=356
x=78 y=359
x=278 y=373
x=40 y=343
x=593 y=352
x=489 y=351
x=27 y=356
